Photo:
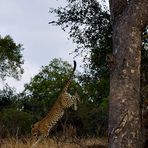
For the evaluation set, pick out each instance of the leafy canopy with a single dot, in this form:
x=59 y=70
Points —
x=90 y=28
x=44 y=88
x=10 y=58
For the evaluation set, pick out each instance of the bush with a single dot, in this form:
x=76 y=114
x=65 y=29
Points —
x=15 y=122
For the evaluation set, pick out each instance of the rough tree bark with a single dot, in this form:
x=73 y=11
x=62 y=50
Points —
x=129 y=17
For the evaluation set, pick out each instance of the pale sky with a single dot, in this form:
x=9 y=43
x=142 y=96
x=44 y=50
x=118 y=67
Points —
x=26 y=21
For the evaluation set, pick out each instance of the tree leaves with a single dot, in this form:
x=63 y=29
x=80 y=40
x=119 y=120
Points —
x=10 y=58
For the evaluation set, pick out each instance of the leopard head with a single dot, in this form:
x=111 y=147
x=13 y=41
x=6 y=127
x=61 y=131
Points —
x=69 y=100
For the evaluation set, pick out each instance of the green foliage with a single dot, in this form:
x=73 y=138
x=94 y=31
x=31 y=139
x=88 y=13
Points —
x=7 y=97
x=41 y=93
x=10 y=66
x=90 y=29
x=45 y=87
x=10 y=58
x=14 y=121
x=93 y=110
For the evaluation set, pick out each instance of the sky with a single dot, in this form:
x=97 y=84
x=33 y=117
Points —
x=26 y=21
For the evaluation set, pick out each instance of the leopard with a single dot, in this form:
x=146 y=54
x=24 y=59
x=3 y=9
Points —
x=42 y=128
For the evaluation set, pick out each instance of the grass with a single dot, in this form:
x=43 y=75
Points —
x=56 y=143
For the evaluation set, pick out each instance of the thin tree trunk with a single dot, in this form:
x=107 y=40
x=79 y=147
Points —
x=124 y=107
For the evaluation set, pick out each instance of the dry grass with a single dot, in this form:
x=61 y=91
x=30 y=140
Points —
x=50 y=143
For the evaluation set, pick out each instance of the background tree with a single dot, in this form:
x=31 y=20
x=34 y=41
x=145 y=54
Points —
x=44 y=88
x=13 y=120
x=10 y=58
x=42 y=92
x=7 y=97
x=39 y=95
x=89 y=27
x=10 y=66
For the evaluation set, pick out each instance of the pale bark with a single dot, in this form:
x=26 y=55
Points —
x=124 y=107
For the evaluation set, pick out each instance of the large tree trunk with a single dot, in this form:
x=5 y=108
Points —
x=128 y=20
